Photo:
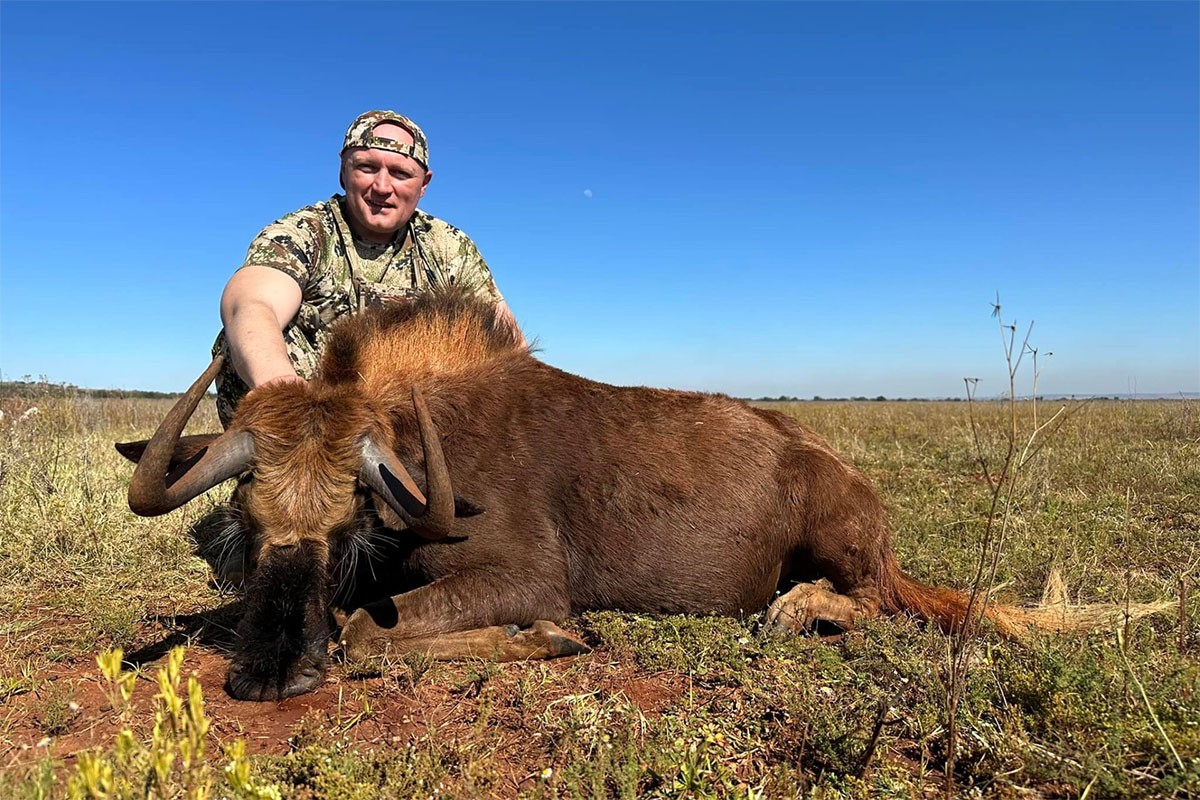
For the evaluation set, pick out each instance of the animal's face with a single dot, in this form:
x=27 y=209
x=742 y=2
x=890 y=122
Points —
x=261 y=521
x=293 y=511
x=298 y=530
x=308 y=456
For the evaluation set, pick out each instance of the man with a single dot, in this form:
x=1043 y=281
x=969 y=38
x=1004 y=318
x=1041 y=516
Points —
x=333 y=258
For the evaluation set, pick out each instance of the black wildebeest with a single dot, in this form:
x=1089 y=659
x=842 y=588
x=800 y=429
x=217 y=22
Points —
x=595 y=497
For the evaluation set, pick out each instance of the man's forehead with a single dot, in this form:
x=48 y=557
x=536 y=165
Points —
x=393 y=131
x=363 y=155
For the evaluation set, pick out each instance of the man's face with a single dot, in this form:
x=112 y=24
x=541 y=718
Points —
x=382 y=187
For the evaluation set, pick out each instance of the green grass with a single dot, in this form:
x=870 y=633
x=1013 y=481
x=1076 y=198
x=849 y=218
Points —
x=673 y=706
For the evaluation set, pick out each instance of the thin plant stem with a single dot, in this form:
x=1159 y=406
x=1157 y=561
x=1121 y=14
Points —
x=1142 y=691
x=1003 y=488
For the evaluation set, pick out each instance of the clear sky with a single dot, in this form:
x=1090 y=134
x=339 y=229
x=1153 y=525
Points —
x=760 y=199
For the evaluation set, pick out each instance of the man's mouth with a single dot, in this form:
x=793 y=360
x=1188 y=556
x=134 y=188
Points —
x=378 y=206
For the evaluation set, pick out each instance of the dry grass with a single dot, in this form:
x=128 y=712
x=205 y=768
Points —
x=670 y=707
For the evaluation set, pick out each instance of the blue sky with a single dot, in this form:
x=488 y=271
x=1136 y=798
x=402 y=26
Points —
x=760 y=199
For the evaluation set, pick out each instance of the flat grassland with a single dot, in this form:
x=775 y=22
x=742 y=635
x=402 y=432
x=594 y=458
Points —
x=1107 y=511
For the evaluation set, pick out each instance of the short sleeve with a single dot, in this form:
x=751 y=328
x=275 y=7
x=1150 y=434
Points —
x=291 y=245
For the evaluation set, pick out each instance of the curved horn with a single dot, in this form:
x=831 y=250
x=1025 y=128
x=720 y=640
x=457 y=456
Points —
x=152 y=491
x=439 y=510
x=431 y=517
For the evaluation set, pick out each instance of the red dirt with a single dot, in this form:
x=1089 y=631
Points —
x=399 y=712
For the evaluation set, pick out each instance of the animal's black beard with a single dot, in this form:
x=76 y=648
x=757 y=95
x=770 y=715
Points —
x=357 y=555
x=370 y=561
x=367 y=560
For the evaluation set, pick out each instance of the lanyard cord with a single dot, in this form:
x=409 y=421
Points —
x=347 y=242
x=357 y=274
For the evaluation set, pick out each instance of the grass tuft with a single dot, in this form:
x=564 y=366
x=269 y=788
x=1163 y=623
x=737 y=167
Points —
x=665 y=706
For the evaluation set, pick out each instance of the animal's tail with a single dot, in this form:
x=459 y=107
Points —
x=947 y=608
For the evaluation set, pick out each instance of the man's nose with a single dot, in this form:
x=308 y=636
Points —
x=382 y=183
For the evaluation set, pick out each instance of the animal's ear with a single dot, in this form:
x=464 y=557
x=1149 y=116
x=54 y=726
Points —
x=390 y=519
x=187 y=448
x=387 y=516
x=465 y=508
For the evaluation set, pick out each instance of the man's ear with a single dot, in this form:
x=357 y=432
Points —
x=428 y=178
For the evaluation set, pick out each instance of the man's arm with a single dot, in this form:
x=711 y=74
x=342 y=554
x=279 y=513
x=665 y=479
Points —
x=257 y=304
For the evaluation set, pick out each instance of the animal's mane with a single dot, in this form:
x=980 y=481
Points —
x=443 y=332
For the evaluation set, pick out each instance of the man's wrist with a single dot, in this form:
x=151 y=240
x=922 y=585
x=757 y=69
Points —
x=281 y=378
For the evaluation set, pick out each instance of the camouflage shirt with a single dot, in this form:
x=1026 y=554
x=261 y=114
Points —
x=308 y=246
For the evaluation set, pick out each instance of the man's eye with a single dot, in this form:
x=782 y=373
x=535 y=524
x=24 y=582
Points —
x=401 y=175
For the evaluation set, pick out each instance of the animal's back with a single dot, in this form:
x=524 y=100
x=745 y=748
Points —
x=663 y=500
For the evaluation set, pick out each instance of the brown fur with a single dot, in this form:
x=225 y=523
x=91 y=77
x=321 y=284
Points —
x=657 y=500
x=596 y=497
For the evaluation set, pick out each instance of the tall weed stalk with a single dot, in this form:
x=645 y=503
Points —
x=1002 y=479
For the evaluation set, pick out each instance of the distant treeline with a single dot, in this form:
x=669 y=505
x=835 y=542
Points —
x=46 y=389
x=881 y=399
x=32 y=389
x=856 y=399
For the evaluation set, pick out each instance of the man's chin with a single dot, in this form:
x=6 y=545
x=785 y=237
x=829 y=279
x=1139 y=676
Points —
x=382 y=224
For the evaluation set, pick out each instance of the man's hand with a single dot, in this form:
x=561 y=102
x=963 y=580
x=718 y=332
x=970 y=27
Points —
x=257 y=304
x=505 y=315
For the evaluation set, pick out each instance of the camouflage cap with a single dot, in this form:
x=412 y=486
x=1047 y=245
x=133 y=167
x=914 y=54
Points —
x=359 y=134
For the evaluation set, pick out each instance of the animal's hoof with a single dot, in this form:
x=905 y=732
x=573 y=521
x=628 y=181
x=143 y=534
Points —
x=812 y=608
x=246 y=682
x=361 y=640
x=783 y=619
x=794 y=612
x=556 y=641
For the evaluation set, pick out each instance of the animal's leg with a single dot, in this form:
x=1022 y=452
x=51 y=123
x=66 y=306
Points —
x=806 y=604
x=542 y=639
x=468 y=614
x=847 y=546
